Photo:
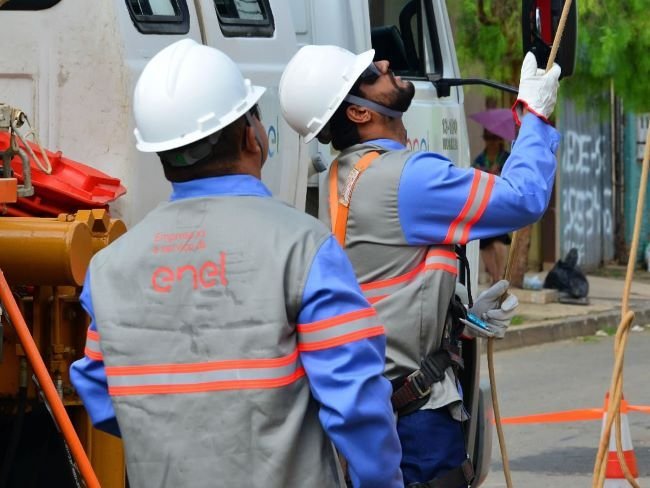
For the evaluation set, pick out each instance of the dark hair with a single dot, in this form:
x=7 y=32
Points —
x=220 y=161
x=343 y=131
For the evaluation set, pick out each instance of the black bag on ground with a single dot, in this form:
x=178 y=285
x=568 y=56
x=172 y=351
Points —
x=567 y=277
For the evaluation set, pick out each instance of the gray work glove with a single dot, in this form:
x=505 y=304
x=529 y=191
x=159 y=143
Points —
x=493 y=319
x=537 y=89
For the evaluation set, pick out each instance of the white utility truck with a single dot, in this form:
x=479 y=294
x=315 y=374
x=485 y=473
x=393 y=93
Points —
x=71 y=67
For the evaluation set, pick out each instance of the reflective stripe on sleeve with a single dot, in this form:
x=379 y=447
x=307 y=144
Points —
x=237 y=374
x=335 y=331
x=92 y=349
x=440 y=258
x=473 y=209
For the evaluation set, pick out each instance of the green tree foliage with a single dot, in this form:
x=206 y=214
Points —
x=488 y=33
x=613 y=44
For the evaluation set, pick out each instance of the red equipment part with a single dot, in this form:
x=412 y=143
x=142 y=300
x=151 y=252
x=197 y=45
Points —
x=70 y=187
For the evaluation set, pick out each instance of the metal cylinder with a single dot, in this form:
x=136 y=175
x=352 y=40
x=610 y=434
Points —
x=37 y=251
x=115 y=229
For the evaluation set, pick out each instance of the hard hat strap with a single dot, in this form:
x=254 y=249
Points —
x=373 y=106
x=191 y=154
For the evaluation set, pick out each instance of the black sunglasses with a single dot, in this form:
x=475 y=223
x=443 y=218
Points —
x=370 y=74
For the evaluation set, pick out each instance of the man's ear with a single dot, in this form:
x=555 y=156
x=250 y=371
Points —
x=358 y=114
x=250 y=143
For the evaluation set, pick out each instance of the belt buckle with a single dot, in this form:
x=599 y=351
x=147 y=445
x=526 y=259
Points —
x=413 y=378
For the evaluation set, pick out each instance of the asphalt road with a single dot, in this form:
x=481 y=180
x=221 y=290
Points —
x=563 y=376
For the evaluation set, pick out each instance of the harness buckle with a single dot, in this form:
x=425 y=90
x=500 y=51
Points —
x=414 y=379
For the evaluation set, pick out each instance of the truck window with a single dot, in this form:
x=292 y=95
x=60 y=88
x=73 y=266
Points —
x=159 y=16
x=245 y=18
x=403 y=32
x=27 y=4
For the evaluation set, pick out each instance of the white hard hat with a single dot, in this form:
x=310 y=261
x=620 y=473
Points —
x=314 y=84
x=187 y=92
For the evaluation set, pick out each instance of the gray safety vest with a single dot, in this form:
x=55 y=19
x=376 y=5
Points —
x=410 y=286
x=196 y=309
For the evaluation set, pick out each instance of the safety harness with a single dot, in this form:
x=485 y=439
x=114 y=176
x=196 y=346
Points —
x=412 y=391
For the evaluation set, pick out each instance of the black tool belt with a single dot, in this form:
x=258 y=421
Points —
x=454 y=478
x=412 y=391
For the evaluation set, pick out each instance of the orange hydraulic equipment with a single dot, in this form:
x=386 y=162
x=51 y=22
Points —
x=53 y=217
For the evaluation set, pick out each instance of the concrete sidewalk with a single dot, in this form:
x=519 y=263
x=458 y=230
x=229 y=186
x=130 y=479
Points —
x=538 y=323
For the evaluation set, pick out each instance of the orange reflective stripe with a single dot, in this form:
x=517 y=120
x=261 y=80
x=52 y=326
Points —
x=338 y=320
x=344 y=339
x=484 y=203
x=209 y=386
x=92 y=349
x=237 y=374
x=373 y=300
x=339 y=207
x=339 y=330
x=440 y=258
x=473 y=209
x=393 y=281
x=202 y=367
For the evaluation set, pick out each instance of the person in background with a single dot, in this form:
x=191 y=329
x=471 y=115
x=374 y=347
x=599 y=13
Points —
x=229 y=343
x=494 y=250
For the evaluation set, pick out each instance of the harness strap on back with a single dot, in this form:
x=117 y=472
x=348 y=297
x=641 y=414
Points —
x=340 y=207
x=418 y=384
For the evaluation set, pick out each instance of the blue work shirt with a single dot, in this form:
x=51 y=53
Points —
x=440 y=203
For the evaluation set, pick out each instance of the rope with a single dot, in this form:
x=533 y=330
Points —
x=514 y=251
x=627 y=316
x=20 y=119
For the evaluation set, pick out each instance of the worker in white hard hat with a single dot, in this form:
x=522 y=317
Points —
x=230 y=344
x=402 y=215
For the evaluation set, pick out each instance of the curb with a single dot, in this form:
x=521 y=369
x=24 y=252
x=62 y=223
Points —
x=568 y=328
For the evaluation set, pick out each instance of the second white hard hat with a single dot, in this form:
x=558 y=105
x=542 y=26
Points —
x=187 y=92
x=314 y=84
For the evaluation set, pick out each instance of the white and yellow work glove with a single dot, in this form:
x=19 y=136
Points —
x=488 y=317
x=537 y=89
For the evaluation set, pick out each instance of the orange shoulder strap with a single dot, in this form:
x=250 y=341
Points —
x=339 y=207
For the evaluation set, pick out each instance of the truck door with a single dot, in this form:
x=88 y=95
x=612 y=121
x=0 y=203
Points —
x=415 y=36
x=259 y=36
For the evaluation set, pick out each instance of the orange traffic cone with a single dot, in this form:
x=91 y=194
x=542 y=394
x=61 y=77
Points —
x=614 y=477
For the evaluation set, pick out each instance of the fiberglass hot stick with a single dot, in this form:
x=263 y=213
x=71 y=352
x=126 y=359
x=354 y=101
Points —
x=508 y=274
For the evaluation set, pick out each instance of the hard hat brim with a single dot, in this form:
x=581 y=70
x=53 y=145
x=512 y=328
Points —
x=253 y=97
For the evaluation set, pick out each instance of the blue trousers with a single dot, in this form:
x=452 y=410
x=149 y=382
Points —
x=432 y=443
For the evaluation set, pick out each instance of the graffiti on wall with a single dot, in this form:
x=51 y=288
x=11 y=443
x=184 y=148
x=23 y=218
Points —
x=586 y=188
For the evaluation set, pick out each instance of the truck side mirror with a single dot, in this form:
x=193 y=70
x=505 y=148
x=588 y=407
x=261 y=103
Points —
x=539 y=21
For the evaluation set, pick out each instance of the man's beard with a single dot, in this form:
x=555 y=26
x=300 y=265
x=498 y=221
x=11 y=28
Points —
x=402 y=97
